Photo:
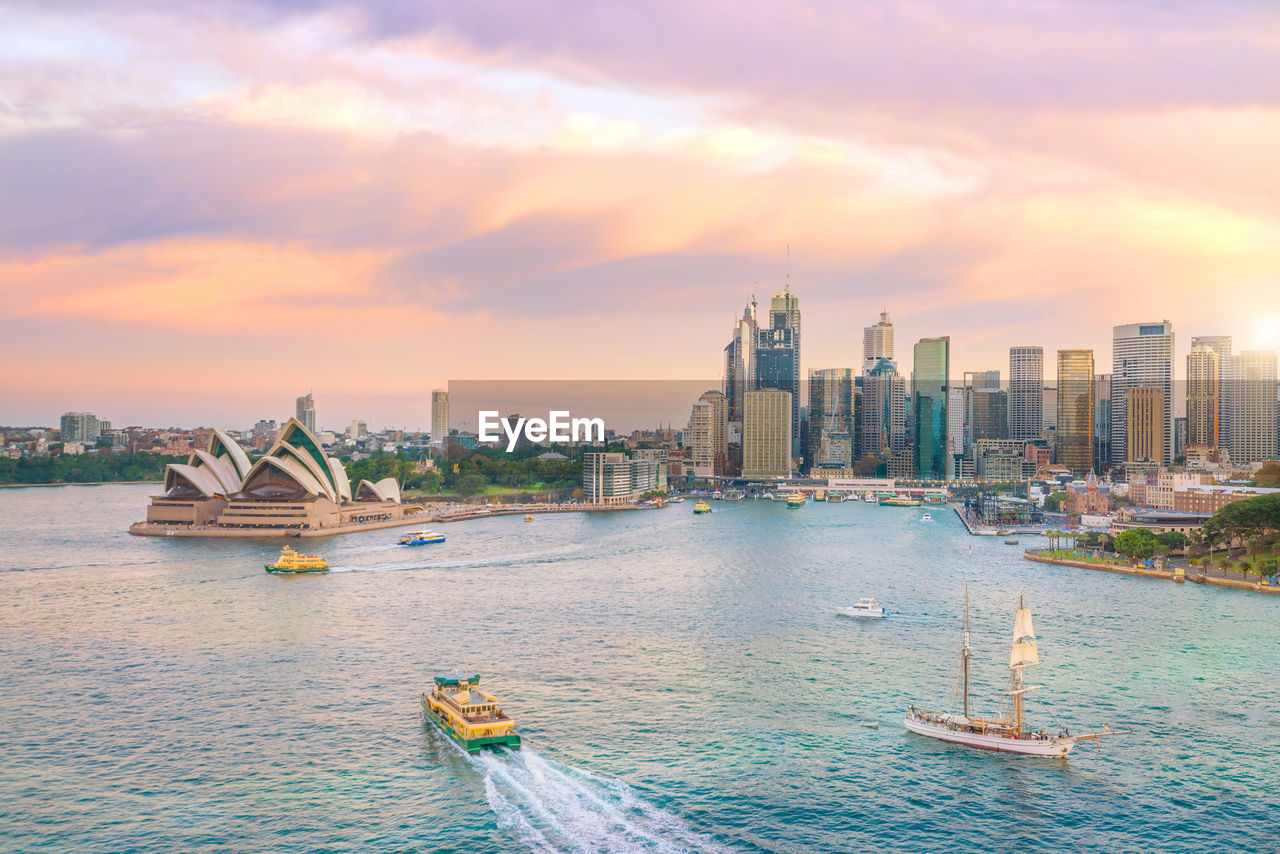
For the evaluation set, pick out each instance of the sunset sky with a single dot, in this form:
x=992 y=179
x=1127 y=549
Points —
x=209 y=208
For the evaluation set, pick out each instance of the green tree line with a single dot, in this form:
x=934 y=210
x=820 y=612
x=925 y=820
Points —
x=84 y=468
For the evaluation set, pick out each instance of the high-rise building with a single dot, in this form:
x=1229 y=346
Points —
x=439 y=414
x=1203 y=401
x=766 y=433
x=1026 y=392
x=831 y=413
x=1141 y=357
x=877 y=342
x=1220 y=344
x=740 y=361
x=81 y=427
x=1074 y=431
x=1102 y=420
x=305 y=411
x=613 y=478
x=1145 y=425
x=1253 y=406
x=706 y=436
x=930 y=379
x=357 y=430
x=986 y=408
x=777 y=356
x=882 y=417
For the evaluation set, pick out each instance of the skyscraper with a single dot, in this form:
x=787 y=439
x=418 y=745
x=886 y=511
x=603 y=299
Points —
x=306 y=412
x=766 y=433
x=439 y=415
x=1145 y=435
x=706 y=437
x=1102 y=420
x=986 y=408
x=930 y=379
x=1203 y=401
x=777 y=356
x=1074 y=433
x=877 y=342
x=882 y=418
x=831 y=414
x=740 y=361
x=79 y=427
x=1141 y=356
x=1253 y=406
x=1220 y=344
x=1026 y=392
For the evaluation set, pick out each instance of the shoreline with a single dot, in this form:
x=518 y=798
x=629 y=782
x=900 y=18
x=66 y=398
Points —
x=78 y=483
x=154 y=529
x=1167 y=575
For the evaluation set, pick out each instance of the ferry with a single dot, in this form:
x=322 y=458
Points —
x=529 y=517
x=1010 y=542
x=676 y=499
x=291 y=561
x=795 y=502
x=420 y=538
x=734 y=495
x=702 y=507
x=1004 y=733
x=467 y=715
x=899 y=501
x=866 y=609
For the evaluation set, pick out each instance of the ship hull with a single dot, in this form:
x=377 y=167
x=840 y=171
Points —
x=471 y=745
x=1023 y=746
x=281 y=571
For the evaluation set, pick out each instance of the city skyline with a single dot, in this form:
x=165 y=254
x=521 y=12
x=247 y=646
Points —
x=310 y=175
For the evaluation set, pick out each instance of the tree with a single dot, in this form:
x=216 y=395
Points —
x=1136 y=543
x=470 y=484
x=1171 y=541
x=1269 y=566
x=1054 y=501
x=1251 y=521
x=1268 y=475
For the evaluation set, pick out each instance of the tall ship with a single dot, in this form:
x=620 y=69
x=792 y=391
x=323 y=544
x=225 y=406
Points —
x=292 y=562
x=1006 y=733
x=467 y=715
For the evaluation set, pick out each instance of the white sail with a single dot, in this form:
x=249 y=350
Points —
x=1022 y=629
x=1024 y=654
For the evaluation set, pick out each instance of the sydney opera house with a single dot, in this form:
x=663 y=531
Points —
x=294 y=489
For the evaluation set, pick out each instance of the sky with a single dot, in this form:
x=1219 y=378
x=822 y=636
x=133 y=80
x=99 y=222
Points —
x=207 y=209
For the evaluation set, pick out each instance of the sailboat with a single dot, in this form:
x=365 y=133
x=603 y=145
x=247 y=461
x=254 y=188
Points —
x=1010 y=733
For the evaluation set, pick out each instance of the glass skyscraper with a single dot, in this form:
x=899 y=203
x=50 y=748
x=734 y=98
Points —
x=1074 y=433
x=930 y=380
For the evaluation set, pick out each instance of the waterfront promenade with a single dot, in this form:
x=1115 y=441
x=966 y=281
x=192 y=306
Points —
x=458 y=512
x=1194 y=574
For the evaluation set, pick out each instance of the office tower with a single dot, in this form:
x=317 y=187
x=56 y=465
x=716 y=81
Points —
x=877 y=342
x=306 y=412
x=1220 y=344
x=1253 y=406
x=882 y=418
x=831 y=412
x=1074 y=431
x=1102 y=420
x=740 y=361
x=357 y=430
x=706 y=437
x=986 y=408
x=777 y=356
x=80 y=427
x=1026 y=392
x=1141 y=356
x=1145 y=432
x=439 y=415
x=1049 y=411
x=930 y=379
x=1203 y=400
x=766 y=433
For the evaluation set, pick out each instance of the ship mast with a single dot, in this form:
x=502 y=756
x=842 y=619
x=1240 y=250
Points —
x=1022 y=654
x=964 y=651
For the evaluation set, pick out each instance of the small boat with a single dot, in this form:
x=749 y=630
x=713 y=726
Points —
x=528 y=517
x=928 y=517
x=702 y=507
x=1179 y=575
x=795 y=501
x=420 y=538
x=866 y=608
x=467 y=715
x=676 y=499
x=1010 y=542
x=291 y=561
x=1005 y=733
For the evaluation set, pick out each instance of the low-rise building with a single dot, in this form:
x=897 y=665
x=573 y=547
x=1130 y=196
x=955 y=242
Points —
x=614 y=478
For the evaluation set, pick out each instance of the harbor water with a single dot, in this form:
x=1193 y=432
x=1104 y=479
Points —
x=681 y=681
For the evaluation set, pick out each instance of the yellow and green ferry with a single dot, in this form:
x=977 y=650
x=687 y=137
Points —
x=469 y=716
x=291 y=561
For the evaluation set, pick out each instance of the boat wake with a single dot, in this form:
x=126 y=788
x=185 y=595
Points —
x=555 y=808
